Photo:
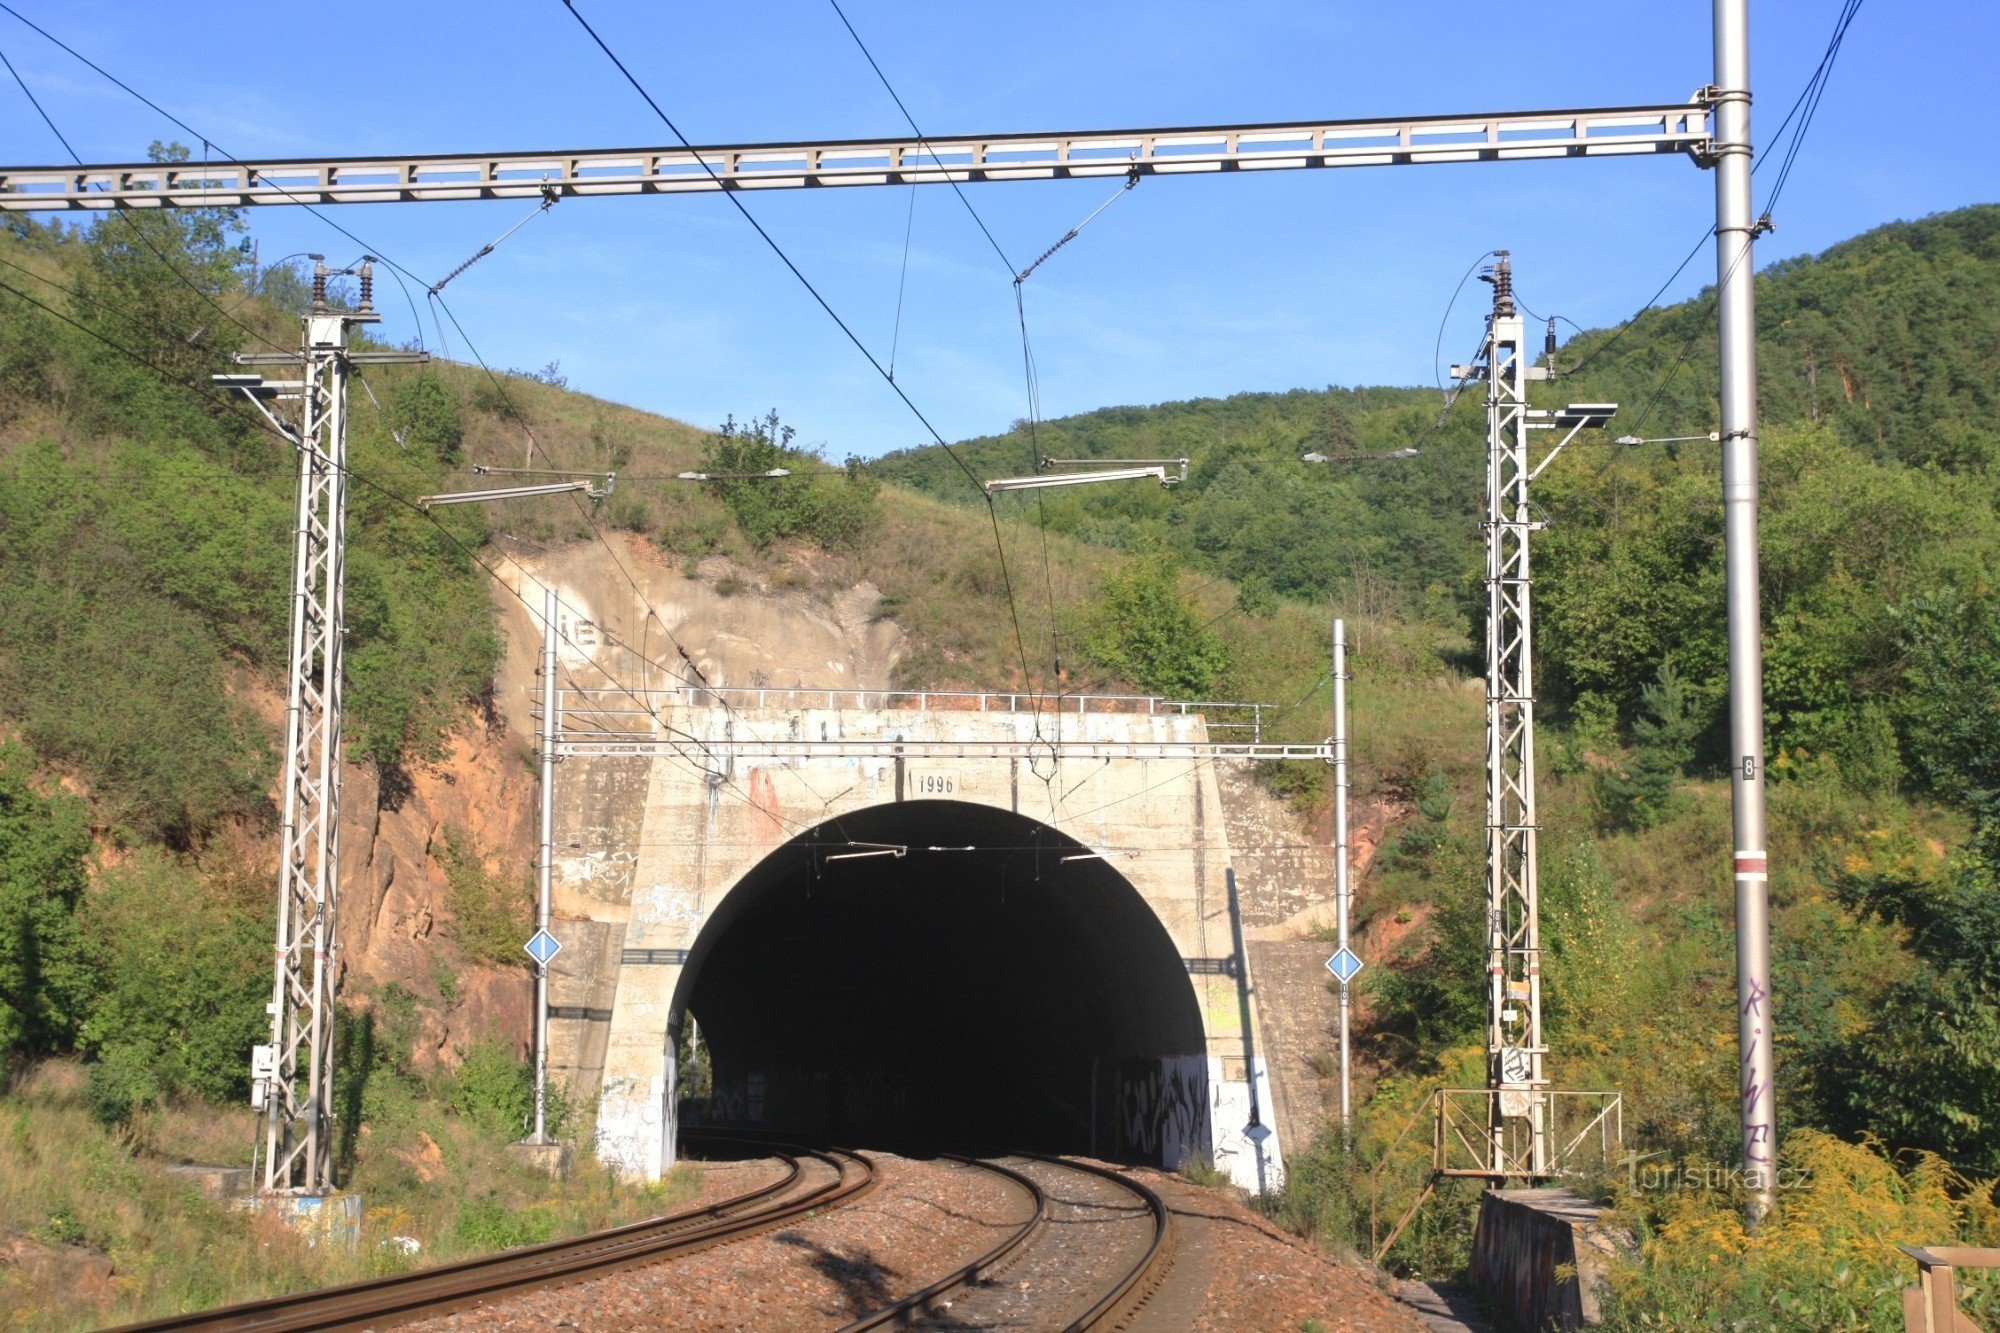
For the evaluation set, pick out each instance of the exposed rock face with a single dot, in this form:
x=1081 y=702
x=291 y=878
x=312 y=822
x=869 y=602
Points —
x=395 y=903
x=723 y=627
x=84 y=1274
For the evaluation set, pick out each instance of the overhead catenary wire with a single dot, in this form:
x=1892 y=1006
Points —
x=1804 y=108
x=1018 y=278
x=902 y=282
x=1807 y=101
x=130 y=223
x=370 y=483
x=1007 y=581
x=896 y=97
x=1034 y=386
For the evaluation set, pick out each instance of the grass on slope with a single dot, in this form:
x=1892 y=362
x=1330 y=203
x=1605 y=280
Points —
x=435 y=1173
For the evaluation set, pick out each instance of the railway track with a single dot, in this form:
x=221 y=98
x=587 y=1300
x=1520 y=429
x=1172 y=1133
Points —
x=1092 y=1246
x=1102 y=1299
x=434 y=1291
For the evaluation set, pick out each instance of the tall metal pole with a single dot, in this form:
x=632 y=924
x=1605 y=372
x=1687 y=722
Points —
x=1515 y=1078
x=1342 y=893
x=544 y=861
x=1735 y=233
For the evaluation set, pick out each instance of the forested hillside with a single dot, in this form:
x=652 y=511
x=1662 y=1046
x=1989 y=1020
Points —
x=144 y=551
x=1881 y=549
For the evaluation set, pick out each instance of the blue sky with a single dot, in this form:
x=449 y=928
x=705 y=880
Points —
x=1186 y=287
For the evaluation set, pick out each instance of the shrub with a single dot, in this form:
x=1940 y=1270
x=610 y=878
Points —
x=495 y=1089
x=427 y=414
x=1825 y=1258
x=489 y=1224
x=490 y=917
x=43 y=840
x=1142 y=628
x=182 y=977
x=833 y=512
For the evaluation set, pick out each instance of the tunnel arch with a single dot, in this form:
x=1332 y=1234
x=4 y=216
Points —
x=996 y=998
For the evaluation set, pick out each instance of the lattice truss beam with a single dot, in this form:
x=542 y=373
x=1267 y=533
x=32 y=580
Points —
x=1486 y=137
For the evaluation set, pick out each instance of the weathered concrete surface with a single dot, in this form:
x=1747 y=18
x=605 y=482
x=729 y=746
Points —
x=1301 y=1016
x=701 y=837
x=646 y=850
x=1286 y=877
x=1523 y=1237
x=1286 y=873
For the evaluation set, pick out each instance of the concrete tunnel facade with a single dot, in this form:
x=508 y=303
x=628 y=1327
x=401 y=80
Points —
x=1070 y=984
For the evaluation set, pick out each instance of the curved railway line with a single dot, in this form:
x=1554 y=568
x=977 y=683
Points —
x=381 y=1302
x=814 y=1180
x=1132 y=1282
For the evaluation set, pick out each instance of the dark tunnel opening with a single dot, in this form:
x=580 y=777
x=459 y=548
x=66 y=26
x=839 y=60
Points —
x=992 y=999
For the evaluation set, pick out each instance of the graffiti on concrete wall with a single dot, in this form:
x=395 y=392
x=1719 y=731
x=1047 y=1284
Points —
x=1163 y=1109
x=635 y=1126
x=609 y=868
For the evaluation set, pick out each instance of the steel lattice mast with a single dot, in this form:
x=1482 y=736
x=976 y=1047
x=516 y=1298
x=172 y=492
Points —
x=292 y=1076
x=1514 y=1047
x=1519 y=1111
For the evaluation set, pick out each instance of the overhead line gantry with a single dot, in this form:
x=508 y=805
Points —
x=1182 y=150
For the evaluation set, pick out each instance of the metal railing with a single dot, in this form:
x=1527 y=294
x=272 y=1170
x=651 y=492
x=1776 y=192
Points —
x=1221 y=714
x=1464 y=1142
x=1585 y=1136
x=1932 y=1305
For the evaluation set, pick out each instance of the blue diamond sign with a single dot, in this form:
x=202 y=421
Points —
x=543 y=947
x=1344 y=965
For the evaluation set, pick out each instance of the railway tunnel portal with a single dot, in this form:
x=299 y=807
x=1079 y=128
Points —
x=987 y=949
x=994 y=984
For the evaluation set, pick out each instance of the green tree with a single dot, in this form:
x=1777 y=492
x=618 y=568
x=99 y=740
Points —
x=1950 y=712
x=182 y=973
x=808 y=504
x=163 y=283
x=428 y=416
x=1141 y=628
x=1435 y=991
x=1642 y=793
x=1928 y=1068
x=43 y=841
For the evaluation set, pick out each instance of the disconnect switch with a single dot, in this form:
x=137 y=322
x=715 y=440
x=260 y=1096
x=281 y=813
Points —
x=263 y=1062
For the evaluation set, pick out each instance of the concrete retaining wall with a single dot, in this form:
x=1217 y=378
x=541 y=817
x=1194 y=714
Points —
x=1524 y=1236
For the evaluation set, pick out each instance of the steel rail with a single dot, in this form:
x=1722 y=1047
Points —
x=921 y=1300
x=404 y=1297
x=1125 y=1293
x=1682 y=127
